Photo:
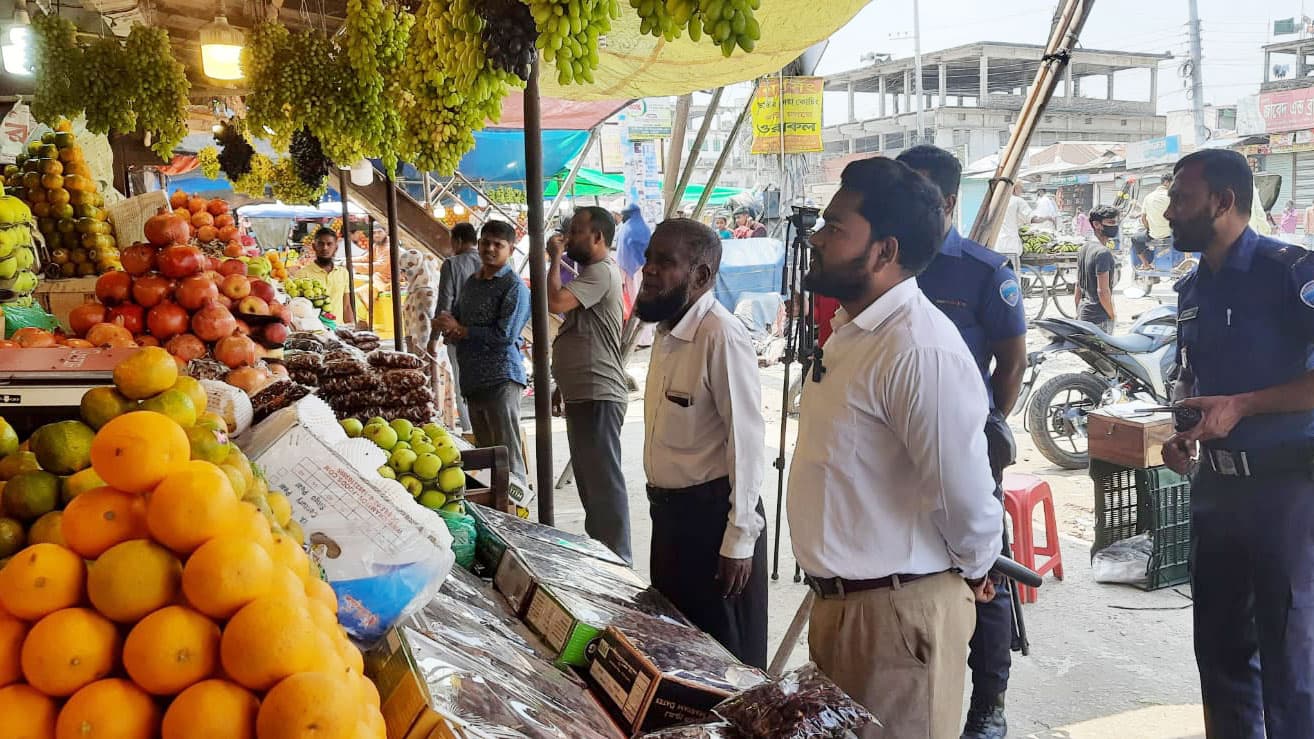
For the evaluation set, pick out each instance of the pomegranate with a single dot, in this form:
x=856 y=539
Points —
x=109 y=334
x=186 y=347
x=138 y=259
x=178 y=199
x=165 y=228
x=146 y=339
x=195 y=291
x=129 y=315
x=243 y=328
x=167 y=320
x=223 y=219
x=180 y=261
x=274 y=334
x=150 y=290
x=235 y=351
x=250 y=379
x=79 y=344
x=196 y=204
x=213 y=322
x=225 y=301
x=113 y=288
x=232 y=267
x=228 y=233
x=83 y=317
x=217 y=207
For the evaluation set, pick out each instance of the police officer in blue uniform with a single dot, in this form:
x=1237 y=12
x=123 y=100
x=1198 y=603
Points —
x=976 y=289
x=1245 y=331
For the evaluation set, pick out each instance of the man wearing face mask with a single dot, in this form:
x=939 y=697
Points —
x=1093 y=293
x=1245 y=321
x=704 y=444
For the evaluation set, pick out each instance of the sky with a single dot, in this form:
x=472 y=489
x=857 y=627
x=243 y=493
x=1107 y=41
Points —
x=1231 y=38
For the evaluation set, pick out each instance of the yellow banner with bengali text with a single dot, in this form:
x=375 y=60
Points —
x=799 y=108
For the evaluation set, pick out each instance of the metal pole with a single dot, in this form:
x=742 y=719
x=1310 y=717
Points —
x=687 y=174
x=371 y=273
x=1197 y=78
x=917 y=63
x=538 y=294
x=725 y=156
x=569 y=183
x=675 y=153
x=346 y=241
x=394 y=269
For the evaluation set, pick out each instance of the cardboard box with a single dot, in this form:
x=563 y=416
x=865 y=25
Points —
x=1125 y=434
x=403 y=696
x=59 y=297
x=525 y=565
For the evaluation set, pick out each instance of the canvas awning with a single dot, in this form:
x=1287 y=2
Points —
x=591 y=182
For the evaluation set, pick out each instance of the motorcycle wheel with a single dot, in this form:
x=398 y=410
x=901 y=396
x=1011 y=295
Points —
x=1056 y=417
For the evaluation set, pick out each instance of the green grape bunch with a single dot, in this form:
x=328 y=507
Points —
x=568 y=32
x=162 y=88
x=58 y=66
x=108 y=89
x=729 y=24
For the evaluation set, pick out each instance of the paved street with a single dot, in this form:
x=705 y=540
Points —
x=1106 y=660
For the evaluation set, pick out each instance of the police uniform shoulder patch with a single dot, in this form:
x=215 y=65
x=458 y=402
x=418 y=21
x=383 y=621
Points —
x=1010 y=292
x=1307 y=294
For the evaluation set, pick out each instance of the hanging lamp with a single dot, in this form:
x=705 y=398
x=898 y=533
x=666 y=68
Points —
x=221 y=49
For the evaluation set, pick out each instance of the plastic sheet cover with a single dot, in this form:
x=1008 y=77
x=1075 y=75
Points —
x=802 y=704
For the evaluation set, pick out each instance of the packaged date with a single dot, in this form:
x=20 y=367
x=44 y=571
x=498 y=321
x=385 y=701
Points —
x=802 y=703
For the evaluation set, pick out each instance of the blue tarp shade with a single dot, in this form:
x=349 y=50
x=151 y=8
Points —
x=748 y=266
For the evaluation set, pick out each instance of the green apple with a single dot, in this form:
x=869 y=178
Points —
x=449 y=454
x=427 y=466
x=387 y=472
x=379 y=420
x=433 y=430
x=423 y=447
x=402 y=427
x=381 y=434
x=455 y=506
x=401 y=460
x=432 y=499
x=8 y=268
x=412 y=485
x=353 y=427
x=402 y=445
x=451 y=480
x=418 y=437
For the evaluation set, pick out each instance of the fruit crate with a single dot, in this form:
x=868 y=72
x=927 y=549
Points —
x=1154 y=500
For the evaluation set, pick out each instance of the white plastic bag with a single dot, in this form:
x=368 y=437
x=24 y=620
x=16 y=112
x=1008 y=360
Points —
x=1126 y=561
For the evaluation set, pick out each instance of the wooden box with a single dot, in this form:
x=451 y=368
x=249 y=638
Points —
x=1127 y=435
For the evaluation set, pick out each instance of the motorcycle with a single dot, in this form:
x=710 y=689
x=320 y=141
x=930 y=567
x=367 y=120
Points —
x=1140 y=365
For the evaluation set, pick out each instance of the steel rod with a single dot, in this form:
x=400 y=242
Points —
x=715 y=176
x=538 y=294
x=346 y=241
x=569 y=182
x=370 y=248
x=394 y=269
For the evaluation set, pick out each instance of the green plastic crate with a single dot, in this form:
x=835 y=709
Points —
x=1131 y=501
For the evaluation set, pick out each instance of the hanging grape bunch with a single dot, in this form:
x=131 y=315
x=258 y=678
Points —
x=509 y=35
x=235 y=157
x=107 y=89
x=58 y=63
x=161 y=88
x=308 y=157
x=568 y=32
x=728 y=23
x=374 y=37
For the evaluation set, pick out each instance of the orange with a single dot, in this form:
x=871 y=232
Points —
x=225 y=574
x=288 y=586
x=108 y=709
x=134 y=451
x=148 y=372
x=42 y=579
x=253 y=525
x=48 y=528
x=372 y=725
x=369 y=691
x=289 y=553
x=69 y=649
x=269 y=639
x=282 y=508
x=318 y=590
x=309 y=704
x=211 y=709
x=192 y=387
x=12 y=633
x=326 y=657
x=100 y=518
x=133 y=579
x=170 y=650
x=192 y=504
x=28 y=714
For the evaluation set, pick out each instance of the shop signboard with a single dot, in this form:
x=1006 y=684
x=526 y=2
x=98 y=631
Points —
x=650 y=119
x=1163 y=150
x=1287 y=110
x=1285 y=143
x=799 y=108
x=643 y=175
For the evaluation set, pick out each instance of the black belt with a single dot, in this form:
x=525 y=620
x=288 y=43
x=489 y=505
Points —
x=838 y=587
x=1282 y=460
x=718 y=489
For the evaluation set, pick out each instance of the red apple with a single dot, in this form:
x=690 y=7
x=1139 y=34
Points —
x=233 y=267
x=212 y=263
x=253 y=306
x=262 y=290
x=213 y=276
x=275 y=333
x=235 y=287
x=225 y=301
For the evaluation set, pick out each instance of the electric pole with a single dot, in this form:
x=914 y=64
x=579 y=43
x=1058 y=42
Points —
x=917 y=65
x=1197 y=78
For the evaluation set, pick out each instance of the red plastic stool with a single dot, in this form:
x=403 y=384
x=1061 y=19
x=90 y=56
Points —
x=1022 y=492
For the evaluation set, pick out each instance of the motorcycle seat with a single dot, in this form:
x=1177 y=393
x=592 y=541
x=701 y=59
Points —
x=1130 y=343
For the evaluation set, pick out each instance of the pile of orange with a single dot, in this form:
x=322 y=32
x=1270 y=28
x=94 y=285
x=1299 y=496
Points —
x=173 y=609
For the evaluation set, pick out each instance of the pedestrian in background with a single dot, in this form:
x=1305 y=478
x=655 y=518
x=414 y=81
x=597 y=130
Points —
x=455 y=272
x=1093 y=293
x=1016 y=215
x=1289 y=218
x=1157 y=231
x=704 y=445
x=722 y=225
x=590 y=372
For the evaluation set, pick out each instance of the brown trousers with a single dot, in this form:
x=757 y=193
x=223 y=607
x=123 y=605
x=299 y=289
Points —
x=901 y=652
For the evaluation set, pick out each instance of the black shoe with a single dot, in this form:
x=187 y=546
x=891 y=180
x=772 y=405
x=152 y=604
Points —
x=985 y=719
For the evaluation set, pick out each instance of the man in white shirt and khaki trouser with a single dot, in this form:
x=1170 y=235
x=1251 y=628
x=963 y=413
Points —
x=891 y=501
x=703 y=447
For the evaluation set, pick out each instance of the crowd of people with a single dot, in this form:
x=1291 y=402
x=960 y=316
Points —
x=894 y=497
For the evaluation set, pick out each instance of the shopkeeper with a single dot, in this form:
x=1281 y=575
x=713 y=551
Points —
x=704 y=444
x=333 y=275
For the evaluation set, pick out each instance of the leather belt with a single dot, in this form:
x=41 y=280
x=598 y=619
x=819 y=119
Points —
x=1234 y=463
x=838 y=587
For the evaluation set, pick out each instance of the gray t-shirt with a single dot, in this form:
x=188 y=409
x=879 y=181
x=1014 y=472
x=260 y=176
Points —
x=455 y=271
x=586 y=356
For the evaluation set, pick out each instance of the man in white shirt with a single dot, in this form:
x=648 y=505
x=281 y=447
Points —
x=1046 y=213
x=1157 y=230
x=1016 y=215
x=703 y=447
x=891 y=500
